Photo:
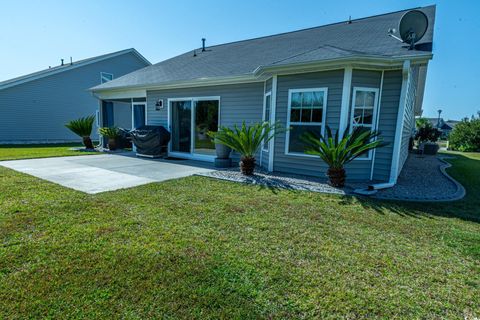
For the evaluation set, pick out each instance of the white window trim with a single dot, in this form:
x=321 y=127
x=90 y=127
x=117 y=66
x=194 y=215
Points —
x=324 y=118
x=374 y=119
x=101 y=76
x=264 y=115
x=191 y=155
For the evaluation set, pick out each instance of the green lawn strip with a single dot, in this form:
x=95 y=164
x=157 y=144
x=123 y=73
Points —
x=14 y=152
x=208 y=249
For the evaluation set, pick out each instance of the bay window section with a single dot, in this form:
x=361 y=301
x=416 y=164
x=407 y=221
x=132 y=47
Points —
x=306 y=113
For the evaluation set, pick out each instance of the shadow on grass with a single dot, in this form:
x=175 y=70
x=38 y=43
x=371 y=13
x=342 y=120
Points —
x=465 y=169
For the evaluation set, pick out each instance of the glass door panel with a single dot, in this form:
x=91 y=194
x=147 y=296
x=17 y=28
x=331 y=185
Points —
x=206 y=119
x=138 y=116
x=182 y=126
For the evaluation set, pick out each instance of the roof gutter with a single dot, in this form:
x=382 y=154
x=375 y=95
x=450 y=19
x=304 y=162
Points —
x=358 y=61
x=199 y=82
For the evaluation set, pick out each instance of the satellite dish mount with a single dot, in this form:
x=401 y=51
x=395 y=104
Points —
x=412 y=27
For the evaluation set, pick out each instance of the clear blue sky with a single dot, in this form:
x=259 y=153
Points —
x=36 y=34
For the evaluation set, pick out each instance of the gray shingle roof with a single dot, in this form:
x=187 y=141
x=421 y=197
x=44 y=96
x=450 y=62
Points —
x=361 y=37
x=67 y=66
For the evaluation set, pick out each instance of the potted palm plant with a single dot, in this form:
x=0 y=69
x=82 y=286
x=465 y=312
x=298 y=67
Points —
x=112 y=133
x=246 y=140
x=337 y=152
x=83 y=128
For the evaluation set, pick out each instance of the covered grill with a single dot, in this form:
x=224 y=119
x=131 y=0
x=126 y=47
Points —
x=151 y=141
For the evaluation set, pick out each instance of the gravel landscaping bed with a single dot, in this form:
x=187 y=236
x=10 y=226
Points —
x=423 y=178
x=284 y=181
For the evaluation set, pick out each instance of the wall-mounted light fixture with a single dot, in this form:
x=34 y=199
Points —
x=159 y=104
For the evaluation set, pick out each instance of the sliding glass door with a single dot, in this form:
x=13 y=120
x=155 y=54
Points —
x=206 y=119
x=181 y=126
x=191 y=120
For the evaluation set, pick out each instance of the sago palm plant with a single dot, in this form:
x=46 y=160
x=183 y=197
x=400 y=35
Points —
x=246 y=140
x=112 y=134
x=336 y=151
x=83 y=128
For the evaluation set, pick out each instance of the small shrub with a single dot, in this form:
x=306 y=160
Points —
x=109 y=132
x=426 y=132
x=83 y=128
x=337 y=151
x=466 y=135
x=246 y=140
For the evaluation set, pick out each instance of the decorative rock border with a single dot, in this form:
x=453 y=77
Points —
x=304 y=183
x=280 y=180
x=459 y=193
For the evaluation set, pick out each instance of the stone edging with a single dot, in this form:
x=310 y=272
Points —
x=461 y=192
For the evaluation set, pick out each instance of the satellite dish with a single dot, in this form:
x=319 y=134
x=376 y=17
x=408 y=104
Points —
x=412 y=27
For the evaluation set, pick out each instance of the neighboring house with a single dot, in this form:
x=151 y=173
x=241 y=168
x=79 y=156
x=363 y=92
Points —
x=444 y=126
x=34 y=108
x=342 y=75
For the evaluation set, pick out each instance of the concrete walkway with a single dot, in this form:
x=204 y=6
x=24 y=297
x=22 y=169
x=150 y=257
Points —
x=106 y=172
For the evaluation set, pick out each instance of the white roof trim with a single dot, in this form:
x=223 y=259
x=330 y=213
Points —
x=58 y=69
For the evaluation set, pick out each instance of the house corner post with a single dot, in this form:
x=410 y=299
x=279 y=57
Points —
x=347 y=85
x=273 y=119
x=400 y=119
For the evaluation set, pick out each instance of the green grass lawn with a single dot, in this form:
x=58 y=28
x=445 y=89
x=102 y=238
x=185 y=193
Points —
x=28 y=151
x=207 y=249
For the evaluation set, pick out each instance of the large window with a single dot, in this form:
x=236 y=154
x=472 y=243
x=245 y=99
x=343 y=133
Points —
x=105 y=77
x=266 y=114
x=364 y=109
x=306 y=113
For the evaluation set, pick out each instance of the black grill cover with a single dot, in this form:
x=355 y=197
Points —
x=123 y=139
x=151 y=140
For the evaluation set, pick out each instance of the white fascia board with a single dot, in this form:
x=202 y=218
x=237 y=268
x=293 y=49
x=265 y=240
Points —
x=357 y=62
x=203 y=82
x=124 y=94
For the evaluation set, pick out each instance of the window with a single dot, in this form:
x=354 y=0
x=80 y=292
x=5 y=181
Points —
x=306 y=113
x=105 y=77
x=363 y=112
x=266 y=114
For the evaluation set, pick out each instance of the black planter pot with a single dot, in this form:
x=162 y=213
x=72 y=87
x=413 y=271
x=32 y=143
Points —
x=430 y=148
x=223 y=152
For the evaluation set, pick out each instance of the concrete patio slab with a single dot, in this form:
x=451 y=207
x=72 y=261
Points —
x=106 y=172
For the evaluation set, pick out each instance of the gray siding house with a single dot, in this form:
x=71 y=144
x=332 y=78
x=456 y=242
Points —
x=340 y=75
x=35 y=107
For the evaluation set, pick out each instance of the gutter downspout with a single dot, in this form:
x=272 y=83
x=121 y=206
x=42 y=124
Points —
x=399 y=131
